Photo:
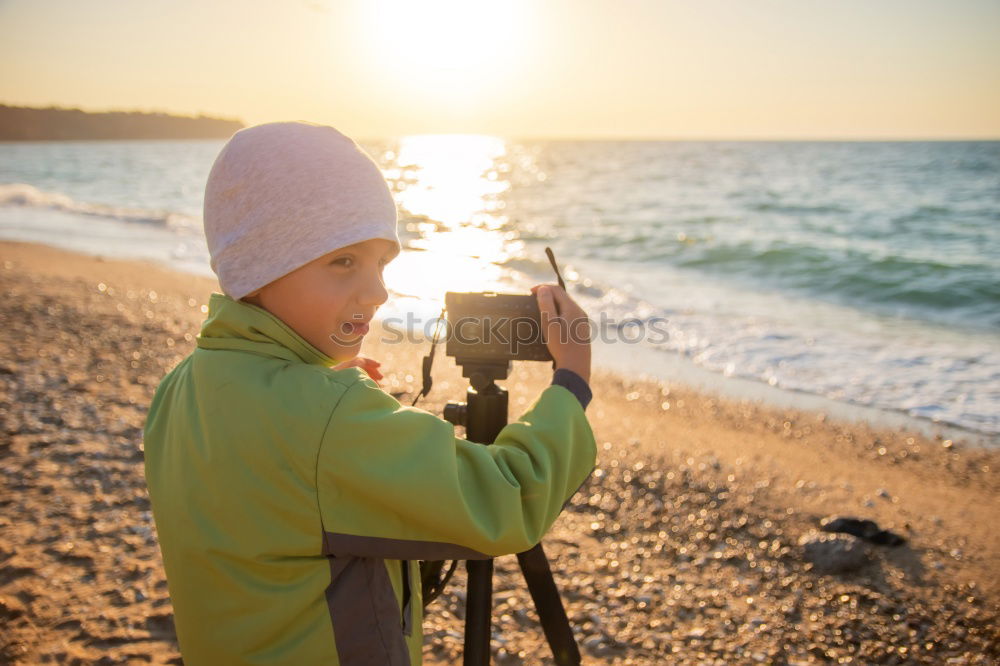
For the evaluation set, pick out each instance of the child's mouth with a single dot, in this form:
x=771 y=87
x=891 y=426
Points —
x=355 y=329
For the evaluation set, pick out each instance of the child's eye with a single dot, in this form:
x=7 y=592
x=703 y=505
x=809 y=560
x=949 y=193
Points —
x=342 y=261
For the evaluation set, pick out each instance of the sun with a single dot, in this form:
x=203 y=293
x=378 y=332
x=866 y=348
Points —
x=446 y=47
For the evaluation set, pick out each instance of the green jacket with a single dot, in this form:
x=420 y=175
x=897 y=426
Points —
x=292 y=501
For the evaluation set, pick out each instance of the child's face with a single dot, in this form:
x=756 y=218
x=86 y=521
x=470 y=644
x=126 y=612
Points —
x=324 y=299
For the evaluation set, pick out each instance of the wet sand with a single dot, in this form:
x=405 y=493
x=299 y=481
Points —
x=684 y=547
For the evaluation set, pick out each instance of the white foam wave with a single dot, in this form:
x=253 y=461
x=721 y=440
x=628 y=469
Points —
x=20 y=194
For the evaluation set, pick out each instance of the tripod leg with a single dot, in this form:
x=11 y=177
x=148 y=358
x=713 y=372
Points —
x=478 y=612
x=555 y=624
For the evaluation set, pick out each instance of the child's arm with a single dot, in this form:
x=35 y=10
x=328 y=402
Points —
x=394 y=482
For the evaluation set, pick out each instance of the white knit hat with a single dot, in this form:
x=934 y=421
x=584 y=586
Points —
x=283 y=194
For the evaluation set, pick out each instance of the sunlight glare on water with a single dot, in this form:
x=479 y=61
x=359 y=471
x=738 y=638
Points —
x=449 y=188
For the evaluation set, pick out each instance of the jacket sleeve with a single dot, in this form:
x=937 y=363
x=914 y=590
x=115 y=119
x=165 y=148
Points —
x=575 y=383
x=395 y=482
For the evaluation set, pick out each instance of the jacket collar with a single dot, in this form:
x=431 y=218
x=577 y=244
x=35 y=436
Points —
x=240 y=326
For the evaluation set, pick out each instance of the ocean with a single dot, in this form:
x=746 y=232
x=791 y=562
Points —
x=864 y=274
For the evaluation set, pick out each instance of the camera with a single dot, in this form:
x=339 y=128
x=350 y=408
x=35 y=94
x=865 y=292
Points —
x=489 y=327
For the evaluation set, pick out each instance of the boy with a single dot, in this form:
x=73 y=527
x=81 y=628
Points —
x=291 y=495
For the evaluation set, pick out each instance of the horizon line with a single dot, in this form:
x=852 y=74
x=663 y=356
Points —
x=525 y=137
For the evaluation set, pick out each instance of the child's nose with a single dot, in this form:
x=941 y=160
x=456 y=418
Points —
x=375 y=293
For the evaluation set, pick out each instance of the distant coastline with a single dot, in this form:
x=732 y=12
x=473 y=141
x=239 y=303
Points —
x=18 y=123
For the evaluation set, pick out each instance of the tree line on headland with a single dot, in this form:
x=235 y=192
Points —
x=59 y=124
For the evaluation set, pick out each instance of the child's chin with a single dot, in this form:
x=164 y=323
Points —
x=343 y=344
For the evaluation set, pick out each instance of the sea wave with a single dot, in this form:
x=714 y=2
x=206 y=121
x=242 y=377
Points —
x=940 y=288
x=21 y=194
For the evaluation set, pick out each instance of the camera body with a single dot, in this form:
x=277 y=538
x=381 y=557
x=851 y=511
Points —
x=488 y=328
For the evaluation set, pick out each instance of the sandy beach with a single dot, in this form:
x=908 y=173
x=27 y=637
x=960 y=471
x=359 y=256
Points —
x=693 y=543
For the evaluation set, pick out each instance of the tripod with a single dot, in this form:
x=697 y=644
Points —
x=484 y=414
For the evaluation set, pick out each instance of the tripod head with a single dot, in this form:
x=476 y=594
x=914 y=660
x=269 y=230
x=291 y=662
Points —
x=483 y=373
x=484 y=413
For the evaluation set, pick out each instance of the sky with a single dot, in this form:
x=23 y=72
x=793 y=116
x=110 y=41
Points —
x=590 y=69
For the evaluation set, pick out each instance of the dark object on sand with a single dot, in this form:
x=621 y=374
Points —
x=833 y=553
x=863 y=529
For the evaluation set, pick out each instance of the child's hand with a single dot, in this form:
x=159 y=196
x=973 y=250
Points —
x=367 y=364
x=567 y=331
